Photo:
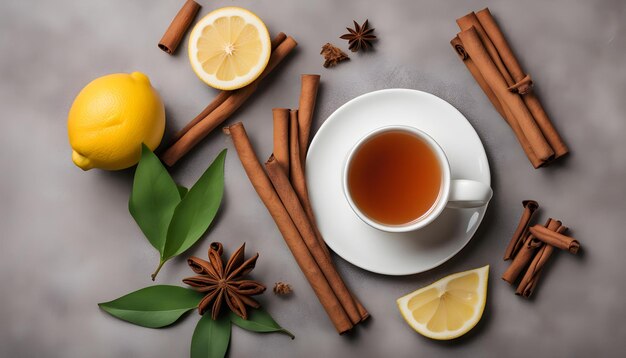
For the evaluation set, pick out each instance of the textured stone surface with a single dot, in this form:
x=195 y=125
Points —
x=68 y=242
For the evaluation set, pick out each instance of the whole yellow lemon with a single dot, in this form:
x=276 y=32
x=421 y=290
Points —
x=111 y=117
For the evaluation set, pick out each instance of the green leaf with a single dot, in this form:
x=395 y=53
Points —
x=153 y=306
x=259 y=320
x=182 y=191
x=196 y=211
x=153 y=199
x=211 y=337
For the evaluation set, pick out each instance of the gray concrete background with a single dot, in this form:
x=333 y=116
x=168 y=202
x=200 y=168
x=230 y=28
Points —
x=67 y=240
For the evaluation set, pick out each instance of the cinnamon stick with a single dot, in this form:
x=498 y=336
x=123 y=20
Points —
x=504 y=112
x=525 y=254
x=221 y=97
x=216 y=102
x=204 y=126
x=306 y=106
x=294 y=145
x=298 y=179
x=533 y=273
x=530 y=206
x=287 y=228
x=460 y=50
x=471 y=20
x=280 y=37
x=521 y=138
x=300 y=219
x=308 y=97
x=281 y=136
x=496 y=36
x=555 y=239
x=475 y=49
x=178 y=27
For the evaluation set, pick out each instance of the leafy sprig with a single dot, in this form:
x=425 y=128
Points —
x=162 y=305
x=171 y=217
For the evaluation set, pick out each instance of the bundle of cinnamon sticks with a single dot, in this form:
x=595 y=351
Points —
x=223 y=106
x=282 y=188
x=531 y=247
x=489 y=58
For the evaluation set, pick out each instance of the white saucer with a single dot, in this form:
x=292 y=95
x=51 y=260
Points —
x=354 y=240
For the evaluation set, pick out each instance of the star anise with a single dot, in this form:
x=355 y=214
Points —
x=224 y=283
x=360 y=37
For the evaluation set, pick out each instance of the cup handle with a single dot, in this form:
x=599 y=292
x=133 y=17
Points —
x=468 y=194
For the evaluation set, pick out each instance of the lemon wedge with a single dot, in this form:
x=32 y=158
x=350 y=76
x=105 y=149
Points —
x=448 y=308
x=229 y=48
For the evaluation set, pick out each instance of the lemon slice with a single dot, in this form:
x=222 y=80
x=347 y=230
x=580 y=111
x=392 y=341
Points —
x=229 y=48
x=448 y=308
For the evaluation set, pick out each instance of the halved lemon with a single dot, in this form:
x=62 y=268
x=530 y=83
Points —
x=448 y=308
x=229 y=48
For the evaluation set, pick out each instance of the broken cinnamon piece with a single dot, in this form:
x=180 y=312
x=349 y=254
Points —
x=530 y=206
x=528 y=283
x=525 y=254
x=332 y=55
x=555 y=239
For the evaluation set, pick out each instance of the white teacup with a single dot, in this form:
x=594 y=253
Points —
x=457 y=193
